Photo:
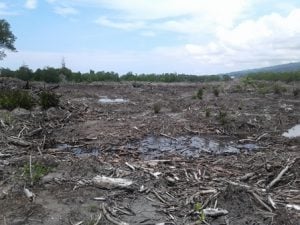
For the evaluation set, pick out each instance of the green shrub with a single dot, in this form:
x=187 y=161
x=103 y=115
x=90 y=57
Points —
x=216 y=91
x=38 y=171
x=296 y=92
x=279 y=89
x=200 y=93
x=156 y=107
x=11 y=99
x=263 y=90
x=223 y=117
x=48 y=99
x=207 y=112
x=198 y=208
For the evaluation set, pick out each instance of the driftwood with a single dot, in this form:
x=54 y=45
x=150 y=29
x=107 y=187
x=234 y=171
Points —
x=260 y=201
x=18 y=141
x=282 y=172
x=215 y=212
x=109 y=182
x=30 y=195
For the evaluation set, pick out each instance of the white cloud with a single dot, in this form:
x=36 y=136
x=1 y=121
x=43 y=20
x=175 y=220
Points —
x=31 y=4
x=269 y=40
x=65 y=10
x=104 y=21
x=186 y=17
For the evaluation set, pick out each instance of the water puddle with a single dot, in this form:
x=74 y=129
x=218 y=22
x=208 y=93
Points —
x=154 y=147
x=293 y=132
x=78 y=151
x=106 y=100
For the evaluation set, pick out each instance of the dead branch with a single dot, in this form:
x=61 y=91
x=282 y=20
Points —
x=110 y=219
x=18 y=141
x=261 y=201
x=167 y=136
x=98 y=219
x=279 y=176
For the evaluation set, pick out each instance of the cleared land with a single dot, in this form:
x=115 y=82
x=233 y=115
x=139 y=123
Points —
x=223 y=152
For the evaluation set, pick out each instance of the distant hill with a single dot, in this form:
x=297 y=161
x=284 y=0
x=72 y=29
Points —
x=289 y=67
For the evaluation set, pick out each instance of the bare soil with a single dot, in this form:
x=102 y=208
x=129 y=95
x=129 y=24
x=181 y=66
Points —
x=177 y=158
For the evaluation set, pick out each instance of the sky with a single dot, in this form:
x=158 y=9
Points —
x=153 y=36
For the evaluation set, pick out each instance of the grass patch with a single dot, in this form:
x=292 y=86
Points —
x=38 y=171
x=48 y=99
x=11 y=99
x=7 y=118
x=199 y=210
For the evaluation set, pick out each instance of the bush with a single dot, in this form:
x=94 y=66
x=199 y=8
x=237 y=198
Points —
x=48 y=99
x=216 y=91
x=200 y=93
x=296 y=92
x=223 y=117
x=156 y=107
x=278 y=89
x=37 y=171
x=207 y=112
x=11 y=99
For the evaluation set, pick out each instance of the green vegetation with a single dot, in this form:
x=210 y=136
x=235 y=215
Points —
x=7 y=118
x=10 y=99
x=223 y=117
x=156 y=107
x=56 y=75
x=48 y=99
x=207 y=112
x=216 y=91
x=7 y=38
x=199 y=209
x=200 y=93
x=271 y=76
x=279 y=89
x=296 y=92
x=37 y=171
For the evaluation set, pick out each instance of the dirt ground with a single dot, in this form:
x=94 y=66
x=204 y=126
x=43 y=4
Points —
x=194 y=156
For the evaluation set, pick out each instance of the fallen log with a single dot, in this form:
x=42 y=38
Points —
x=18 y=141
x=110 y=183
x=215 y=212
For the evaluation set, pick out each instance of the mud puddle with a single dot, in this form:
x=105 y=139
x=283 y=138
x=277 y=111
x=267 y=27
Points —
x=293 y=132
x=155 y=147
x=106 y=100
x=78 y=150
x=144 y=212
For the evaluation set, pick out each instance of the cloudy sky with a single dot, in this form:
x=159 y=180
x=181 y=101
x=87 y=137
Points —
x=189 y=36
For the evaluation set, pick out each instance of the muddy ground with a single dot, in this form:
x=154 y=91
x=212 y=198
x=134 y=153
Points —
x=224 y=152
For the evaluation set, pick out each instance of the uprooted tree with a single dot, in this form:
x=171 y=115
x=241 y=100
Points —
x=7 y=38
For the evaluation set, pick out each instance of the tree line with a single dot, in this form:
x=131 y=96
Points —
x=56 y=75
x=276 y=76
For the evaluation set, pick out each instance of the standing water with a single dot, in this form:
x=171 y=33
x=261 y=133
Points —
x=112 y=101
x=293 y=132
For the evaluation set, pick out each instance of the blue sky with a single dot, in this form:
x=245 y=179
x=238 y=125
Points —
x=145 y=36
